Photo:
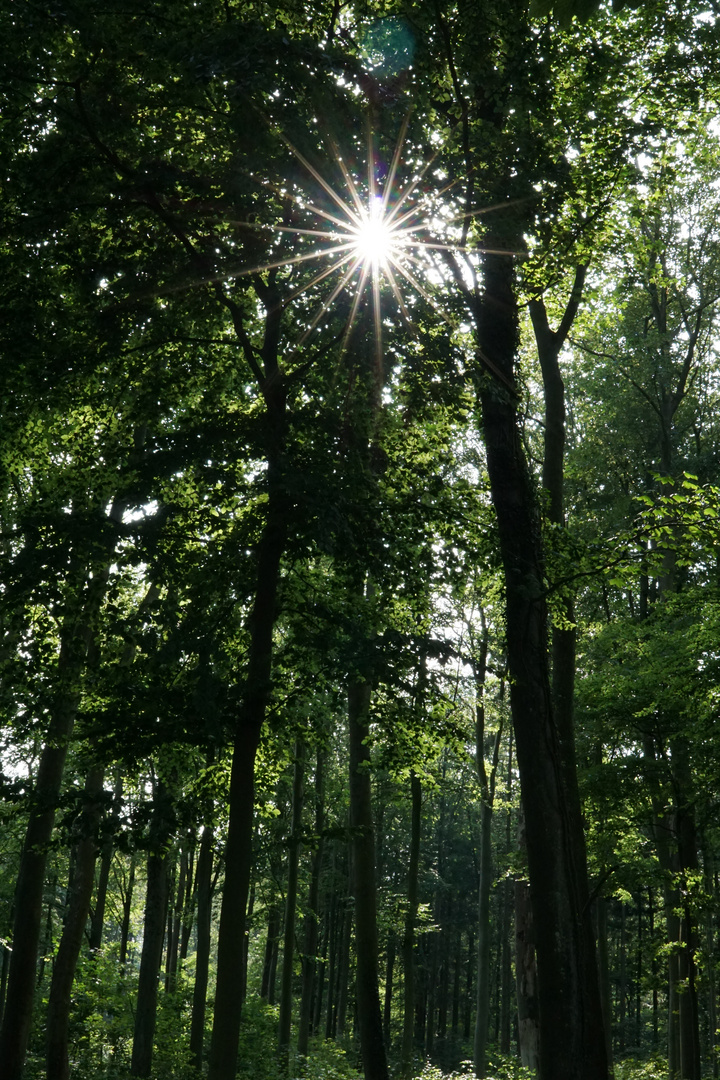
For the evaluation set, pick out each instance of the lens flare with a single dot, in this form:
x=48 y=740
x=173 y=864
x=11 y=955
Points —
x=401 y=239
x=375 y=239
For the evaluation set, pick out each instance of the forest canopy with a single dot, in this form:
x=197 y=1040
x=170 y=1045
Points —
x=360 y=523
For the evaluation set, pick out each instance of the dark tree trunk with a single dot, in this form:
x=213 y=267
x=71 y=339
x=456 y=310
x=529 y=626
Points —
x=572 y=1040
x=485 y=877
x=175 y=918
x=604 y=972
x=267 y=985
x=84 y=601
x=526 y=980
x=342 y=989
x=312 y=917
x=457 y=972
x=334 y=951
x=97 y=917
x=202 y=957
x=408 y=943
x=126 y=910
x=190 y=899
x=58 y=1013
x=17 y=1017
x=156 y=905
x=389 y=972
x=469 y=983
x=363 y=866
x=238 y=849
x=286 y=986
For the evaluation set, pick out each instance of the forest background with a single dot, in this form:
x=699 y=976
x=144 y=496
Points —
x=359 y=628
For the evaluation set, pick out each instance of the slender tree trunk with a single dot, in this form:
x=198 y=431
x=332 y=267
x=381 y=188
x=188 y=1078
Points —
x=485 y=877
x=408 y=942
x=622 y=982
x=389 y=972
x=156 y=906
x=710 y=941
x=363 y=872
x=4 y=978
x=190 y=898
x=431 y=992
x=343 y=971
x=17 y=1018
x=58 y=1013
x=267 y=985
x=97 y=916
x=238 y=850
x=506 y=921
x=175 y=923
x=572 y=1039
x=202 y=956
x=322 y=967
x=334 y=952
x=312 y=917
x=526 y=979
x=604 y=971
x=286 y=986
x=84 y=601
x=126 y=910
x=470 y=970
x=457 y=972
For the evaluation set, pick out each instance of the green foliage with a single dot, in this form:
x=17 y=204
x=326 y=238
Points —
x=631 y=1069
x=499 y=1068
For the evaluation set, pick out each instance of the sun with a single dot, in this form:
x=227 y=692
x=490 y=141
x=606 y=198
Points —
x=377 y=236
x=376 y=241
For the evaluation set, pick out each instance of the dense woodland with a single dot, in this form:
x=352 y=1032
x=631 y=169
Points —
x=359 y=616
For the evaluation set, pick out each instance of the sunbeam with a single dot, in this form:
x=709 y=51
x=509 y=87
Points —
x=382 y=233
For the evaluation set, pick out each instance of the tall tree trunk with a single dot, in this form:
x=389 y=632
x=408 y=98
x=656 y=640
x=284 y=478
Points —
x=312 y=918
x=126 y=911
x=97 y=915
x=572 y=1039
x=238 y=848
x=334 y=952
x=526 y=980
x=604 y=971
x=286 y=986
x=202 y=956
x=83 y=606
x=470 y=970
x=156 y=905
x=363 y=872
x=267 y=984
x=485 y=877
x=408 y=942
x=58 y=1013
x=342 y=989
x=175 y=918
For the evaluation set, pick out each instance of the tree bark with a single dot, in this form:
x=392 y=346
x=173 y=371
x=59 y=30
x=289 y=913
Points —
x=485 y=876
x=526 y=980
x=363 y=871
x=286 y=985
x=126 y=910
x=83 y=606
x=408 y=942
x=58 y=1013
x=97 y=914
x=202 y=955
x=267 y=985
x=572 y=1040
x=238 y=850
x=312 y=918
x=156 y=905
